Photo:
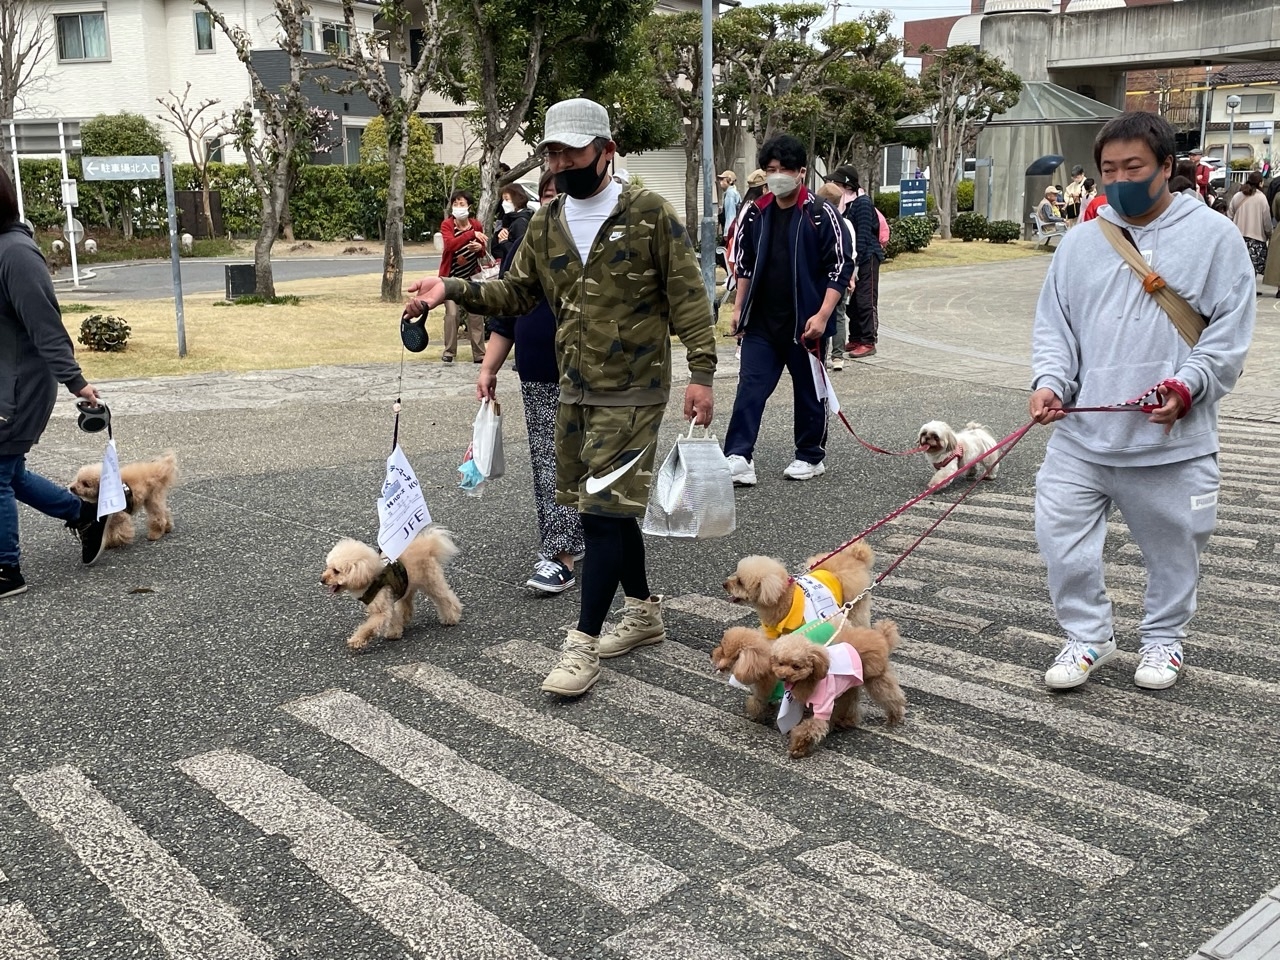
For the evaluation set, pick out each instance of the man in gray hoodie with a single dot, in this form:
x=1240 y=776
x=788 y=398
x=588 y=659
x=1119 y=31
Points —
x=35 y=356
x=1106 y=342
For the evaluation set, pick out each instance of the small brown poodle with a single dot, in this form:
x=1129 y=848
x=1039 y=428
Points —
x=804 y=667
x=387 y=589
x=147 y=485
x=764 y=583
x=744 y=653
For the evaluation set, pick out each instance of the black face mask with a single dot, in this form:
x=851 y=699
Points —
x=581 y=182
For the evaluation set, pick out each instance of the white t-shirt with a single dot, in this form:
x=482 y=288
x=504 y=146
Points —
x=585 y=217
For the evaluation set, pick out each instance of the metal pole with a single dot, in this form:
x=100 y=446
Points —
x=991 y=182
x=167 y=160
x=707 y=243
x=62 y=149
x=1226 y=163
x=1205 y=102
x=17 y=172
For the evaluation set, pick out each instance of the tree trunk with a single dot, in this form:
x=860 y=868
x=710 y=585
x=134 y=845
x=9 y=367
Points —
x=286 y=222
x=490 y=158
x=206 y=203
x=264 y=281
x=692 y=183
x=393 y=251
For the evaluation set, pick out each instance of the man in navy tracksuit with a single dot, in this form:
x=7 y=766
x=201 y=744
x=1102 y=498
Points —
x=794 y=261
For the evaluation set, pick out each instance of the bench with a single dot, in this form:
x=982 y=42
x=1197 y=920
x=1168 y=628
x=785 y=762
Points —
x=1047 y=230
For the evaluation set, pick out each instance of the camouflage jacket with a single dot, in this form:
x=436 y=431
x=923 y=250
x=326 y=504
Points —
x=614 y=314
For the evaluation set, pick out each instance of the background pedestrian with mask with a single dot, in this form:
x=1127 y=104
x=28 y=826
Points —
x=464 y=239
x=864 y=306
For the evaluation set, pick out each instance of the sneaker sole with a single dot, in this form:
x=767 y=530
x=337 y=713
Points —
x=102 y=548
x=566 y=692
x=646 y=642
x=1157 y=686
x=548 y=589
x=1072 y=684
x=744 y=481
x=812 y=476
x=14 y=592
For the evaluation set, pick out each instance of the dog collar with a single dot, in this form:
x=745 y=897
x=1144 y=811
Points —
x=393 y=577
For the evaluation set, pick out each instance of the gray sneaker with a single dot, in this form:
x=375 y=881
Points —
x=579 y=667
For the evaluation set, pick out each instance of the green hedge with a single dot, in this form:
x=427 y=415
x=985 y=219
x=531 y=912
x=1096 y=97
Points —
x=964 y=195
x=330 y=202
x=969 y=226
x=1003 y=231
x=914 y=233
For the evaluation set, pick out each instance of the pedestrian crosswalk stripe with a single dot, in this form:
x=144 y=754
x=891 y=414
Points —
x=727 y=817
x=814 y=909
x=710 y=608
x=1223 y=563
x=429 y=916
x=941 y=809
x=891 y=607
x=1073 y=725
x=986 y=527
x=164 y=896
x=22 y=937
x=615 y=872
x=1075 y=787
x=904 y=892
x=666 y=938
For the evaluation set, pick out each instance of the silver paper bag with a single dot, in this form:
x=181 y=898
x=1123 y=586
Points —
x=692 y=494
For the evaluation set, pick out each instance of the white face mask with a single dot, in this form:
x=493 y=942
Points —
x=782 y=184
x=460 y=213
x=508 y=206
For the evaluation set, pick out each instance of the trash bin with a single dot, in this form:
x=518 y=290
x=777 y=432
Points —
x=241 y=280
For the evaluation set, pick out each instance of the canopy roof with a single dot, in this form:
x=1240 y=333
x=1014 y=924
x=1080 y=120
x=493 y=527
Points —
x=1040 y=102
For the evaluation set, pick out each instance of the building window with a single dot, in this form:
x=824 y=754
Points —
x=82 y=36
x=335 y=36
x=309 y=36
x=437 y=133
x=204 y=32
x=1257 y=103
x=213 y=150
x=352 y=138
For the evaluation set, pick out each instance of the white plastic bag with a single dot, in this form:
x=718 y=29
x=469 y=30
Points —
x=692 y=494
x=486 y=440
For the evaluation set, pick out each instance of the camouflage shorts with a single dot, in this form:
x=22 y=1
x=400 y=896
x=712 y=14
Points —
x=592 y=442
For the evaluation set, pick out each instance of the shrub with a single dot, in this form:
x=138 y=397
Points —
x=914 y=233
x=104 y=334
x=964 y=195
x=969 y=226
x=322 y=203
x=1003 y=231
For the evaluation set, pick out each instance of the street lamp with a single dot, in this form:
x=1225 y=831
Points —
x=1233 y=104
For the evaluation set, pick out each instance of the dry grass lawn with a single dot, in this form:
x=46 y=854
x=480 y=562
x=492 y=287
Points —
x=341 y=320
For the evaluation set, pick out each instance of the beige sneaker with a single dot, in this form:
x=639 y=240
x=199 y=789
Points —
x=579 y=667
x=641 y=626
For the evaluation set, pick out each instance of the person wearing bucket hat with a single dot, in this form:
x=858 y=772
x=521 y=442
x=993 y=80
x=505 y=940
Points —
x=729 y=199
x=618 y=269
x=35 y=356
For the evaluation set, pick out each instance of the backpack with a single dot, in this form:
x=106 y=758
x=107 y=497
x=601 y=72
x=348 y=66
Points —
x=884 y=227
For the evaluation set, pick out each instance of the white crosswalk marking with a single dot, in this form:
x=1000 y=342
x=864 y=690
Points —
x=1074 y=786
x=665 y=938
x=164 y=896
x=724 y=816
x=942 y=809
x=710 y=608
x=895 y=889
x=427 y=914
x=846 y=925
x=616 y=872
x=22 y=937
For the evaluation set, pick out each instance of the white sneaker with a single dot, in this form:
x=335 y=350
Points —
x=803 y=470
x=743 y=471
x=1159 y=667
x=1076 y=661
x=837 y=363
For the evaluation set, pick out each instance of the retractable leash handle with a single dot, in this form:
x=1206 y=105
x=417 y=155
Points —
x=94 y=417
x=413 y=330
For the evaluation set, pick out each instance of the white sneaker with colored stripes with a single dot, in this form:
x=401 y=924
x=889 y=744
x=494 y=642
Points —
x=1159 y=666
x=1076 y=661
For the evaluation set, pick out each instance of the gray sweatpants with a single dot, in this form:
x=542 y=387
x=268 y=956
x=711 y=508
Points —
x=1170 y=511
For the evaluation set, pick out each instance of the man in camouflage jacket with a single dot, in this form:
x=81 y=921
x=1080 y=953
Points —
x=620 y=275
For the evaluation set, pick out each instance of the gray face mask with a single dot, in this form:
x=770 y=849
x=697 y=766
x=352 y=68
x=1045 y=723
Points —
x=782 y=184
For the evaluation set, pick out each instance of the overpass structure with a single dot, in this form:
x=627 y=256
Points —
x=1089 y=53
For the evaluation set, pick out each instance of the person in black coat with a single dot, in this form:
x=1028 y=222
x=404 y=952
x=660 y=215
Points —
x=35 y=356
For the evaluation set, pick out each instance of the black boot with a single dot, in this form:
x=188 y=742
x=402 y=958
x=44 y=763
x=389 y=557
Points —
x=11 y=582
x=90 y=530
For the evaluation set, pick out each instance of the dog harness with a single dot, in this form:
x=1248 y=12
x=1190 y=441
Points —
x=956 y=456
x=393 y=577
x=815 y=596
x=843 y=674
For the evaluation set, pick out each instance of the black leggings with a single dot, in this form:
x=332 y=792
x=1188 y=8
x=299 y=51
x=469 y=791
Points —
x=615 y=555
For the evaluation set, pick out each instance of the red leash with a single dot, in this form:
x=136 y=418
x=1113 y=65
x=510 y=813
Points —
x=840 y=413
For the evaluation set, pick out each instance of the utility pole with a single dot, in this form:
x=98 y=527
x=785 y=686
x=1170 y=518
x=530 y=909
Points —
x=707 y=238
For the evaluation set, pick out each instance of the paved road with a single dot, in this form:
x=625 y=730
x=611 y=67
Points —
x=201 y=771
x=154 y=279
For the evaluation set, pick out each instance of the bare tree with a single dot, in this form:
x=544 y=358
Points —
x=269 y=151
x=25 y=47
x=396 y=100
x=195 y=123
